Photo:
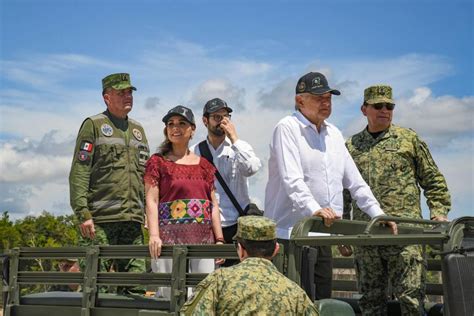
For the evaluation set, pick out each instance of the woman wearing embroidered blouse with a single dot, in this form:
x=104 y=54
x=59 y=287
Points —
x=181 y=205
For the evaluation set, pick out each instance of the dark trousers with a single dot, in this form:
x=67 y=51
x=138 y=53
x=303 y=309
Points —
x=229 y=232
x=321 y=271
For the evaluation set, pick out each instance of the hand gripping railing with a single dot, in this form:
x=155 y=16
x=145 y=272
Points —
x=360 y=233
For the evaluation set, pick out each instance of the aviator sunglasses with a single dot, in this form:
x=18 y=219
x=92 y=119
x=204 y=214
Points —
x=379 y=106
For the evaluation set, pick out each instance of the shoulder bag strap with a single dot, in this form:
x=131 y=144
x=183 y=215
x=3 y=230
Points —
x=206 y=153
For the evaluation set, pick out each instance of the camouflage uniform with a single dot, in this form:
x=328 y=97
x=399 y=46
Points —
x=253 y=287
x=395 y=165
x=106 y=178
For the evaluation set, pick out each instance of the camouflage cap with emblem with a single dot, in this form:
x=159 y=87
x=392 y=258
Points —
x=118 y=81
x=378 y=94
x=258 y=228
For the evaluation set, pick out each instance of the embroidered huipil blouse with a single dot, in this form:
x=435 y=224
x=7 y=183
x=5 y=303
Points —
x=185 y=206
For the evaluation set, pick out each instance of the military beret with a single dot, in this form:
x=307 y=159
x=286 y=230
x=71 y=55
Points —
x=378 y=94
x=256 y=228
x=117 y=81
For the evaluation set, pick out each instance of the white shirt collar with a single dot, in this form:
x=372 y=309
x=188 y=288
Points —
x=305 y=122
x=225 y=142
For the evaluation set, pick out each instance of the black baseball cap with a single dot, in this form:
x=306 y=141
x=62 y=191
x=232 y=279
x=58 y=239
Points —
x=314 y=83
x=180 y=110
x=215 y=105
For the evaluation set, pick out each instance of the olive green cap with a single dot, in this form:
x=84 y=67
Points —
x=257 y=228
x=378 y=94
x=117 y=81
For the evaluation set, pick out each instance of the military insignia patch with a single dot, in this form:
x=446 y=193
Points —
x=87 y=146
x=137 y=134
x=301 y=86
x=83 y=156
x=106 y=129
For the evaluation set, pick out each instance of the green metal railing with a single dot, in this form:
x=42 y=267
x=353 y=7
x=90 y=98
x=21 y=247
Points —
x=91 y=279
x=445 y=236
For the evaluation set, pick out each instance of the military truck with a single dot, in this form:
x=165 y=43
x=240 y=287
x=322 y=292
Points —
x=452 y=243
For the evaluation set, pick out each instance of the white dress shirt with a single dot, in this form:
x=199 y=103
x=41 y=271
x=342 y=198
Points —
x=308 y=171
x=235 y=162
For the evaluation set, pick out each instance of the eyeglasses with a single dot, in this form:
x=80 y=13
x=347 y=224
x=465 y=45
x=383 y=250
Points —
x=379 y=106
x=218 y=117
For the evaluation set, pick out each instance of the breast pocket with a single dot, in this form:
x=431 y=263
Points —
x=105 y=159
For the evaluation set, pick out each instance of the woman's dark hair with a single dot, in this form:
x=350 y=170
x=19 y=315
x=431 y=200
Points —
x=166 y=146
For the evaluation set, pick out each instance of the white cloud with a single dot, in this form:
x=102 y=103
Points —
x=178 y=64
x=218 y=88
x=456 y=162
x=28 y=163
x=403 y=73
x=48 y=71
x=439 y=120
x=281 y=96
x=34 y=175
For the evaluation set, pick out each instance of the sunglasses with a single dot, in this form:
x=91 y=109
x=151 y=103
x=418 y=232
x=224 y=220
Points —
x=379 y=106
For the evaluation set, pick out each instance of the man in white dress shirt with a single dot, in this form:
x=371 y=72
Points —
x=309 y=167
x=235 y=160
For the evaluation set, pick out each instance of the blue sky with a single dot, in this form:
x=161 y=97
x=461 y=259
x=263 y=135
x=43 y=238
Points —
x=53 y=55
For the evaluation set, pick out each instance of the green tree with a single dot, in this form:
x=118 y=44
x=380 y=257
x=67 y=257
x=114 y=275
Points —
x=47 y=230
x=9 y=235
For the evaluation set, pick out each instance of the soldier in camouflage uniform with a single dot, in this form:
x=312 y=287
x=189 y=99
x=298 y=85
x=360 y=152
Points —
x=254 y=286
x=106 y=178
x=395 y=163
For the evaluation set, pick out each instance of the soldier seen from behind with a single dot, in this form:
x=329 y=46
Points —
x=395 y=163
x=106 y=178
x=254 y=286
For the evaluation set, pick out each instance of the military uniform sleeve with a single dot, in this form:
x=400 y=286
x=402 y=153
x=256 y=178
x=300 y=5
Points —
x=79 y=176
x=431 y=181
x=205 y=297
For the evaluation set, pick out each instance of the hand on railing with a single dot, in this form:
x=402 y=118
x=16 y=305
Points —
x=439 y=218
x=328 y=215
x=393 y=226
x=345 y=250
x=391 y=221
x=154 y=244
